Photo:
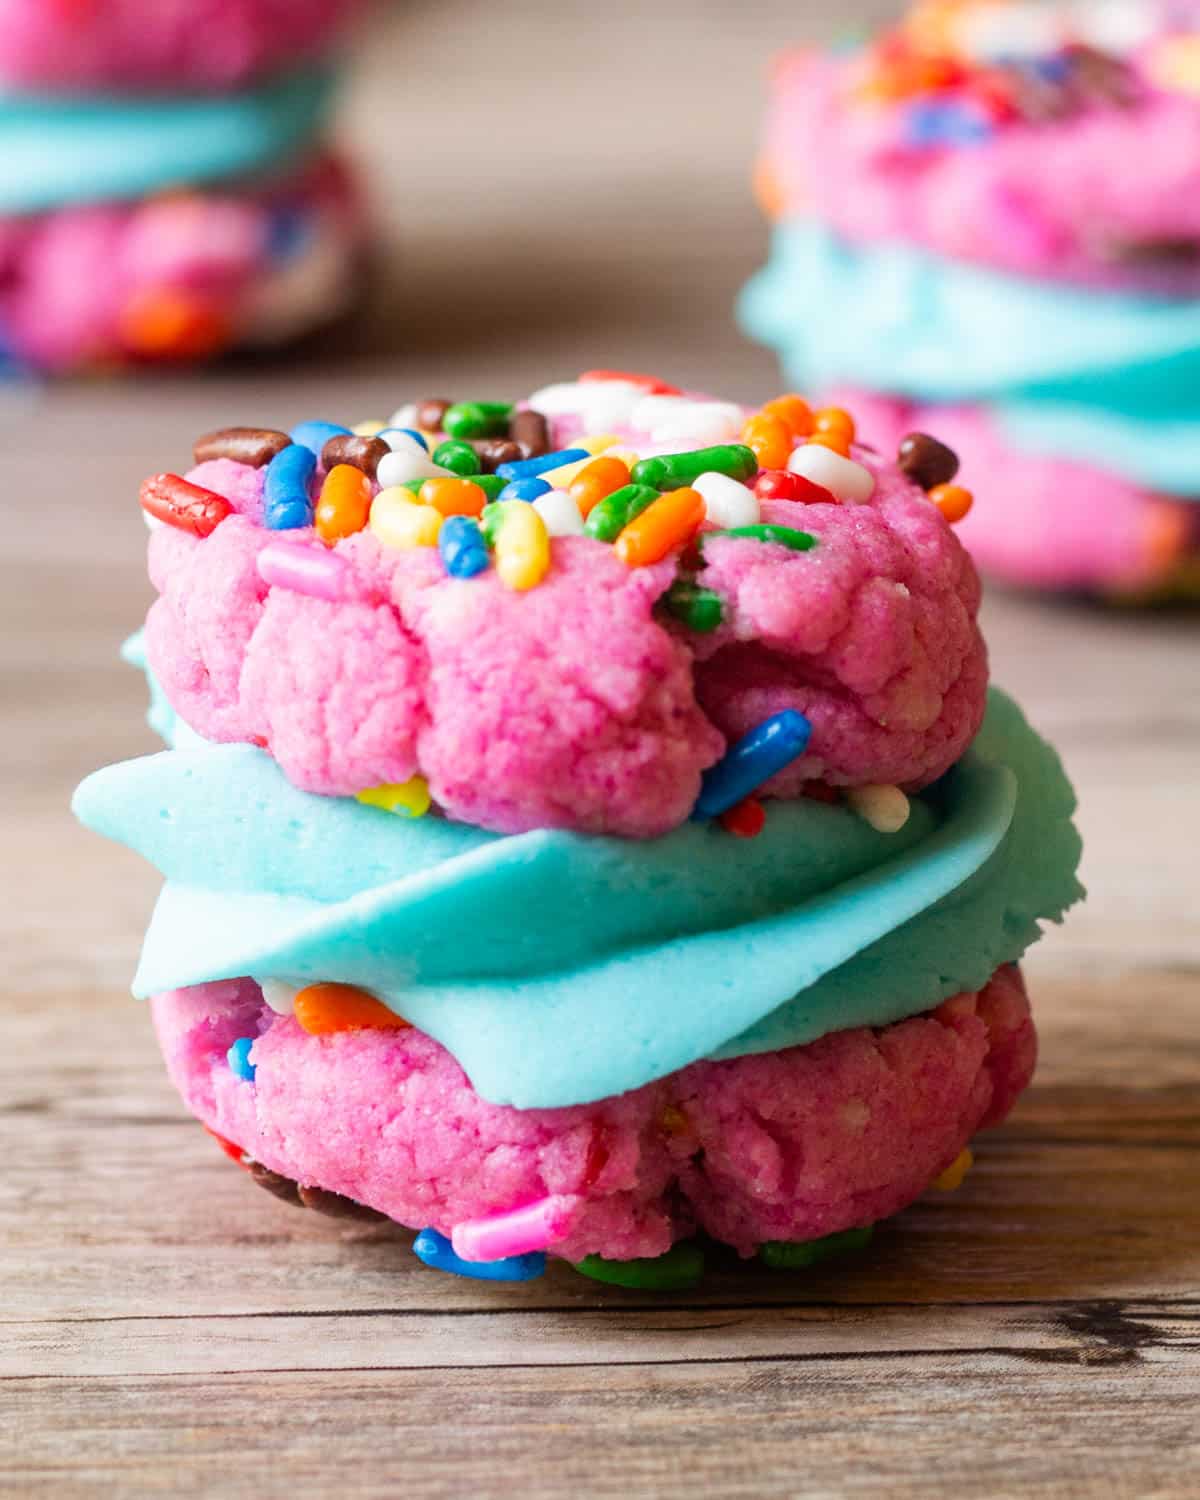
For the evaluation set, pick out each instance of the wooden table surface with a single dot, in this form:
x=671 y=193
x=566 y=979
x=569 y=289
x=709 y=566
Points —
x=168 y=1329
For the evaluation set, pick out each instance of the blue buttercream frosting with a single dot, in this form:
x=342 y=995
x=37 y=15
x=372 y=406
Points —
x=57 y=151
x=561 y=968
x=1101 y=377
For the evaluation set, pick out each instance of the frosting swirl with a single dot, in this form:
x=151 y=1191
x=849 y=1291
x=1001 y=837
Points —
x=89 y=149
x=559 y=967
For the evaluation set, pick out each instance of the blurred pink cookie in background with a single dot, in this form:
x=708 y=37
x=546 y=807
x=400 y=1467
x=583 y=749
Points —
x=147 y=216
x=156 y=45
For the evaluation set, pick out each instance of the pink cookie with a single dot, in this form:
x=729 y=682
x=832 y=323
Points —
x=871 y=634
x=793 y=1145
x=1048 y=522
x=1053 y=148
x=161 y=44
x=180 y=276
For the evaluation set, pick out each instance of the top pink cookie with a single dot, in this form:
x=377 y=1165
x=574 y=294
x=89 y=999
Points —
x=161 y=44
x=562 y=613
x=1060 y=142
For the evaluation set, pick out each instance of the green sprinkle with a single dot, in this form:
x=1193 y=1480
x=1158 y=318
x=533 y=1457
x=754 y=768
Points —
x=459 y=457
x=477 y=419
x=607 y=520
x=700 y=609
x=782 y=536
x=490 y=484
x=492 y=519
x=797 y=1255
x=680 y=1268
x=413 y=484
x=671 y=471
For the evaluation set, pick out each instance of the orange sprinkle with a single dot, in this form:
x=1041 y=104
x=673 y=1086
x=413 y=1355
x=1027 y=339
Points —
x=323 y=1009
x=670 y=522
x=453 y=497
x=834 y=441
x=832 y=419
x=770 y=440
x=952 y=500
x=794 y=412
x=345 y=504
x=599 y=479
x=163 y=323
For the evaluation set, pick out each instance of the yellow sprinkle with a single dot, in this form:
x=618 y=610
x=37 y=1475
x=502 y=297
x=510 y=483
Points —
x=673 y=1120
x=955 y=1174
x=885 y=808
x=522 y=547
x=398 y=521
x=562 y=479
x=597 y=442
x=1175 y=64
x=408 y=798
x=367 y=429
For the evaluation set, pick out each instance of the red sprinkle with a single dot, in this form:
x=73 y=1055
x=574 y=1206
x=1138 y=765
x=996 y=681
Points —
x=651 y=384
x=782 y=484
x=235 y=1153
x=746 y=819
x=186 y=506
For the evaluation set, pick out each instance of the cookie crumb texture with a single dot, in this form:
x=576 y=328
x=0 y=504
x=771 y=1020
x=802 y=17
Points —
x=787 y=1146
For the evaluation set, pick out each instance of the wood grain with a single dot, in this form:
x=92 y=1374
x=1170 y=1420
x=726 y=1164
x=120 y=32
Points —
x=168 y=1329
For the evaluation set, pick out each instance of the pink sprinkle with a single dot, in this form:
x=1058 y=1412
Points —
x=534 y=1227
x=305 y=570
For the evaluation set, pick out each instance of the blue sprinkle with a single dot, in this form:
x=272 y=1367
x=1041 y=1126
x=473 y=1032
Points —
x=463 y=549
x=238 y=1058
x=946 y=122
x=755 y=758
x=285 y=488
x=524 y=489
x=288 y=231
x=528 y=468
x=314 y=435
x=417 y=437
x=435 y=1250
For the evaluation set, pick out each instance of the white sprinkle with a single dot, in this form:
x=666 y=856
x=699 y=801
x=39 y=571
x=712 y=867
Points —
x=726 y=502
x=885 y=808
x=404 y=416
x=705 y=423
x=560 y=513
x=403 y=464
x=849 y=481
x=279 y=996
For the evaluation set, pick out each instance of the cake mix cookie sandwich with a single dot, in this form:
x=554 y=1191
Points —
x=986 y=228
x=168 y=224
x=588 y=830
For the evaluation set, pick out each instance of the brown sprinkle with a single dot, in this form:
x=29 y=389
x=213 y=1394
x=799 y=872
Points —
x=430 y=413
x=336 y=1205
x=926 y=461
x=275 y=1182
x=363 y=453
x=255 y=446
x=496 y=451
x=528 y=429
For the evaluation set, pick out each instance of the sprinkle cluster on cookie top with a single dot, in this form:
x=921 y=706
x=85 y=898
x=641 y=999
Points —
x=561 y=612
x=959 y=71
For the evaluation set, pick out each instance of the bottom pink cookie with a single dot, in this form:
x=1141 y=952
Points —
x=1042 y=522
x=793 y=1145
x=182 y=276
